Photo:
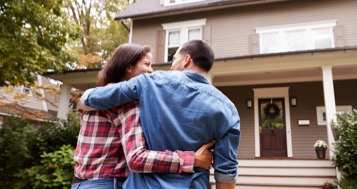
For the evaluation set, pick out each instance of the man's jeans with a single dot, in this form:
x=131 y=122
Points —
x=102 y=183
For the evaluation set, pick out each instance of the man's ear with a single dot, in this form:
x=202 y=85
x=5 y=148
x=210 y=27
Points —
x=187 y=61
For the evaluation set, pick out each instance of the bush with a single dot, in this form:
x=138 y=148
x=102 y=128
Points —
x=23 y=144
x=345 y=157
x=55 y=171
x=51 y=137
x=15 y=154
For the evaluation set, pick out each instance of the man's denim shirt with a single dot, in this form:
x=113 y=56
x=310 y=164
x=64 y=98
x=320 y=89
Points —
x=178 y=111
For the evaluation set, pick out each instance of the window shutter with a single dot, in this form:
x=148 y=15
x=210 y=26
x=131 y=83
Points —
x=338 y=32
x=207 y=34
x=160 y=51
x=254 y=44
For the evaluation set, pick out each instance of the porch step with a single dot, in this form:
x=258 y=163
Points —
x=283 y=173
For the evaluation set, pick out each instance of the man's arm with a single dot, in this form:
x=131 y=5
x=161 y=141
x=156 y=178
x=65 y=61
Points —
x=141 y=160
x=113 y=95
x=225 y=156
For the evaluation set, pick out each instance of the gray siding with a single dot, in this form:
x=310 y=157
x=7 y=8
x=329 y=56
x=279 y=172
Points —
x=27 y=102
x=232 y=27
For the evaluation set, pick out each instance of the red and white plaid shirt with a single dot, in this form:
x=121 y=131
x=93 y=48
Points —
x=107 y=137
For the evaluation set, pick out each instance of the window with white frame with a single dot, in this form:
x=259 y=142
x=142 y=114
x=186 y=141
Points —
x=26 y=90
x=295 y=37
x=180 y=32
x=175 y=2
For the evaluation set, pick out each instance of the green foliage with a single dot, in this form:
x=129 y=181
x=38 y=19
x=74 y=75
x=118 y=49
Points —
x=55 y=171
x=15 y=155
x=32 y=37
x=346 y=149
x=100 y=34
x=25 y=144
x=51 y=137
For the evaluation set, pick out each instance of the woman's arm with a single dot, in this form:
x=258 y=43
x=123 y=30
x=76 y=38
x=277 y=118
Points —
x=139 y=159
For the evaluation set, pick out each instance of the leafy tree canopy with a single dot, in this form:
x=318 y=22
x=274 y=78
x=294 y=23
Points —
x=100 y=34
x=33 y=35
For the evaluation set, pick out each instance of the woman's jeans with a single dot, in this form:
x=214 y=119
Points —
x=102 y=183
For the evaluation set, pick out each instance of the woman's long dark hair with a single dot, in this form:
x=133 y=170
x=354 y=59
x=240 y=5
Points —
x=125 y=55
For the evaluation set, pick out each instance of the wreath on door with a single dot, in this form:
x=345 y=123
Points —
x=271 y=110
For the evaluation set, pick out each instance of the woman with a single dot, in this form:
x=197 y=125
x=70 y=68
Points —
x=108 y=138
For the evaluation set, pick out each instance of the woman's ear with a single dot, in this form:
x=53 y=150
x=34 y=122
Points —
x=128 y=69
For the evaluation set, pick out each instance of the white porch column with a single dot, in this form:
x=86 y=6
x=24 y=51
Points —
x=330 y=104
x=64 y=101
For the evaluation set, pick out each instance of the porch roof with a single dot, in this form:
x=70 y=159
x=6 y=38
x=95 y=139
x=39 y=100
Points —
x=249 y=69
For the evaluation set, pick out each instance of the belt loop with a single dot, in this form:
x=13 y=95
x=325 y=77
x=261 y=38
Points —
x=115 y=183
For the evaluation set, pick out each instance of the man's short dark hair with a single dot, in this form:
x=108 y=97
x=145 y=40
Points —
x=200 y=52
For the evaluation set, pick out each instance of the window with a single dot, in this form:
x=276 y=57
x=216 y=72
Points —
x=180 y=32
x=175 y=2
x=295 y=37
x=321 y=113
x=26 y=90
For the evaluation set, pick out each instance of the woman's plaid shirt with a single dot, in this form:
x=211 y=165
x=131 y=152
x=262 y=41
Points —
x=108 y=139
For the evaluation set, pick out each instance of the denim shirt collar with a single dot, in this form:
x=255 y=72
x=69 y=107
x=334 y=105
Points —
x=196 y=76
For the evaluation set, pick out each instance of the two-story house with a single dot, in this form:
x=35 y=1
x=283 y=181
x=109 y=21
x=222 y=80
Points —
x=289 y=66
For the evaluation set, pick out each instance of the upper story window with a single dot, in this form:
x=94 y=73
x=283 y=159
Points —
x=294 y=37
x=175 y=2
x=180 y=32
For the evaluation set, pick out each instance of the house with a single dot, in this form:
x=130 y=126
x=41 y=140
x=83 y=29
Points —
x=35 y=102
x=289 y=66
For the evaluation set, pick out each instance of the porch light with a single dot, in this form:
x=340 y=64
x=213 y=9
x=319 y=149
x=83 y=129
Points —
x=249 y=103
x=293 y=101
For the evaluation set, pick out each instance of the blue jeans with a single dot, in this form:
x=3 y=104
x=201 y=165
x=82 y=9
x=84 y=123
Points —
x=102 y=183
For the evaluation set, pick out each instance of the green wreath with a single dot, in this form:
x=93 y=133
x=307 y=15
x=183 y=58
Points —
x=271 y=110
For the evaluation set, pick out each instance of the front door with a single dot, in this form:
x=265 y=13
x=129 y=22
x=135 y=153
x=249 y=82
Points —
x=272 y=127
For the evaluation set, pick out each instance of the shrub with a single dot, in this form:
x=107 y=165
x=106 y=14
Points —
x=55 y=171
x=51 y=137
x=15 y=134
x=346 y=149
x=23 y=144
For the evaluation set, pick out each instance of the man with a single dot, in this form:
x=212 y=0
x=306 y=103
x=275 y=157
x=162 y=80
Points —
x=180 y=110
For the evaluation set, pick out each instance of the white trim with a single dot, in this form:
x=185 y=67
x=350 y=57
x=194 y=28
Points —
x=177 y=2
x=330 y=103
x=280 y=36
x=64 y=101
x=179 y=25
x=131 y=31
x=320 y=110
x=183 y=27
x=296 y=26
x=24 y=90
x=42 y=91
x=277 y=92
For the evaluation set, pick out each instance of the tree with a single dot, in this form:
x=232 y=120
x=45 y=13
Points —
x=33 y=35
x=100 y=33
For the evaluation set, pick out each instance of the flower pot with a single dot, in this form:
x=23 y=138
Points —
x=327 y=187
x=320 y=153
x=336 y=135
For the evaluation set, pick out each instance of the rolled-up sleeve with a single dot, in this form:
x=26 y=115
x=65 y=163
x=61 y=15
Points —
x=226 y=151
